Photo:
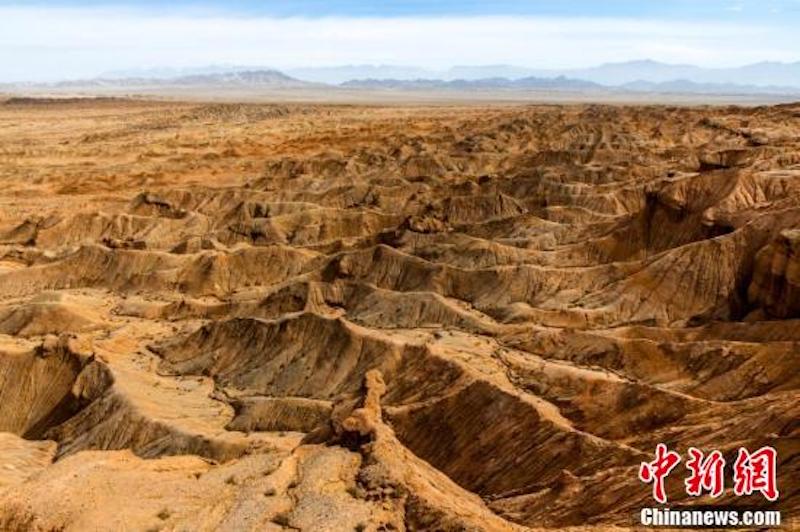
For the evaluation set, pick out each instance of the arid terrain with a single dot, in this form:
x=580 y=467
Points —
x=318 y=317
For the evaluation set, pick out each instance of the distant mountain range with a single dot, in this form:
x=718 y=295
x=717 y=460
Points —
x=764 y=74
x=271 y=78
x=633 y=76
x=559 y=83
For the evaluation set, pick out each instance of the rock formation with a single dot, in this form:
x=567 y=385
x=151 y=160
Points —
x=254 y=317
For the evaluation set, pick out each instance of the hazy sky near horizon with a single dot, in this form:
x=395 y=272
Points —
x=58 y=39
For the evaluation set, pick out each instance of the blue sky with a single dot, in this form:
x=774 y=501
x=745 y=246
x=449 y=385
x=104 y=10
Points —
x=68 y=39
x=710 y=10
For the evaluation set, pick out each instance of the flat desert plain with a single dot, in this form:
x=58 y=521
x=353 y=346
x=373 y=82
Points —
x=270 y=317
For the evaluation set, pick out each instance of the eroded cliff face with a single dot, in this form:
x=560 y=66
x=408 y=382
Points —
x=242 y=317
x=776 y=277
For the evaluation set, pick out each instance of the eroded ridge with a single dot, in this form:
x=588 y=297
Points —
x=255 y=317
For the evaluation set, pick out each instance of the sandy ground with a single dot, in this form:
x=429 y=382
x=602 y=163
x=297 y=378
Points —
x=394 y=97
